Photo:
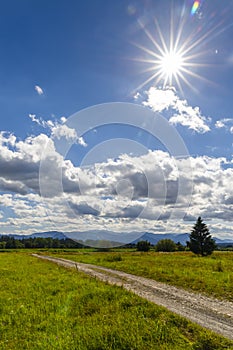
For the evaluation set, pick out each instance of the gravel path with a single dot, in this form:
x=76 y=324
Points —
x=210 y=313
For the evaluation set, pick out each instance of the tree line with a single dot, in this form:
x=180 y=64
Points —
x=8 y=242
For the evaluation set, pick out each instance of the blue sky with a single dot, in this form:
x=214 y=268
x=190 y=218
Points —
x=59 y=58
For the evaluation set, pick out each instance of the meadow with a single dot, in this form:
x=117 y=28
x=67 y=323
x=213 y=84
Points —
x=211 y=275
x=44 y=306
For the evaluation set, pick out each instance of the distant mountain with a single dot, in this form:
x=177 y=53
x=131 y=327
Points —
x=120 y=238
x=153 y=238
x=50 y=234
x=223 y=242
x=116 y=238
x=92 y=237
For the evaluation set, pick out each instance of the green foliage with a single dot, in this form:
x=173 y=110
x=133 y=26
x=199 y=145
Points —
x=9 y=242
x=143 y=246
x=43 y=306
x=114 y=257
x=201 y=242
x=165 y=245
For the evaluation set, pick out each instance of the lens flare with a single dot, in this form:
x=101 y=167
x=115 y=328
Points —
x=195 y=7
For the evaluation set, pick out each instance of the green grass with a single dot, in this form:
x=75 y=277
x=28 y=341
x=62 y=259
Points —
x=44 y=306
x=212 y=275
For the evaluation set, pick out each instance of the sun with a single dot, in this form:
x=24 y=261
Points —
x=170 y=62
x=171 y=65
x=174 y=59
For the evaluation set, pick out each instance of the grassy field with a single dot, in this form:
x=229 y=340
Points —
x=212 y=275
x=44 y=306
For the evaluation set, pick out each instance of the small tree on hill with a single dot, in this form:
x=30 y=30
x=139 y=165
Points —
x=165 y=245
x=143 y=246
x=201 y=241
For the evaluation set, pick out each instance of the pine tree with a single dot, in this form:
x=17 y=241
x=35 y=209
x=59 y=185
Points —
x=201 y=241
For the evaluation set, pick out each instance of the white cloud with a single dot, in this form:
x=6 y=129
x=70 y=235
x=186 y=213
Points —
x=221 y=123
x=112 y=194
x=7 y=139
x=159 y=99
x=137 y=96
x=190 y=117
x=12 y=186
x=226 y=123
x=59 y=129
x=63 y=120
x=63 y=131
x=39 y=90
x=32 y=117
x=181 y=113
x=81 y=142
x=41 y=122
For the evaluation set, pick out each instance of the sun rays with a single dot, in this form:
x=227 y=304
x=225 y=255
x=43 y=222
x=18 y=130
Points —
x=173 y=57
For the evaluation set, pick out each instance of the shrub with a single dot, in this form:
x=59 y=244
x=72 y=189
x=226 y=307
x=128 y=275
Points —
x=143 y=246
x=165 y=245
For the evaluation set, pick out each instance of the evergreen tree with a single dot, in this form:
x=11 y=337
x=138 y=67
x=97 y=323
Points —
x=201 y=241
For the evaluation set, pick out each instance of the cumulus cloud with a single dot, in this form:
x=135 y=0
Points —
x=70 y=134
x=159 y=99
x=7 y=139
x=179 y=110
x=12 y=186
x=133 y=192
x=190 y=117
x=83 y=208
x=59 y=130
x=39 y=90
x=152 y=177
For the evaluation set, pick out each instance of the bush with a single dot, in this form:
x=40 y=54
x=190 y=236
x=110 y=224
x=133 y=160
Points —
x=165 y=245
x=143 y=246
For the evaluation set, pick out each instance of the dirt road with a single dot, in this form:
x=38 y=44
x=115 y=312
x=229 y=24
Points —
x=210 y=313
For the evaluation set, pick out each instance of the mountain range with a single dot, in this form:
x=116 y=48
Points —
x=98 y=235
